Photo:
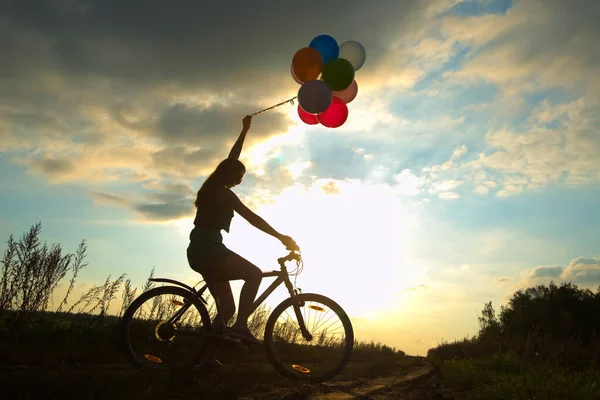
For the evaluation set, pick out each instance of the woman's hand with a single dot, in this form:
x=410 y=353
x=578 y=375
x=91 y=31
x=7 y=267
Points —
x=289 y=243
x=246 y=122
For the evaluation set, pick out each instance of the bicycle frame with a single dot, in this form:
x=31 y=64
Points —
x=282 y=277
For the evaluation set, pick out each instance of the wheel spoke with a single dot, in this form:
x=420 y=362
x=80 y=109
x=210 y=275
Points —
x=319 y=359
x=154 y=342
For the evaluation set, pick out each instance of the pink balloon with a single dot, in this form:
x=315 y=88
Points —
x=348 y=94
x=335 y=115
x=310 y=119
x=294 y=75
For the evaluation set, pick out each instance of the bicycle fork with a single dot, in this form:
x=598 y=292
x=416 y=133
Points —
x=297 y=304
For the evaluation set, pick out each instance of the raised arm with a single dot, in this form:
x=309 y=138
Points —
x=236 y=150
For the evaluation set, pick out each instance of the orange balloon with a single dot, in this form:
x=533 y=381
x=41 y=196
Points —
x=294 y=76
x=307 y=64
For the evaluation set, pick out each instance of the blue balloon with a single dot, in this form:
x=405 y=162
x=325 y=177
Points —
x=327 y=46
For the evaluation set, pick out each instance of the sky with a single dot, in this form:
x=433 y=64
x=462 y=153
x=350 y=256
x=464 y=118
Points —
x=468 y=168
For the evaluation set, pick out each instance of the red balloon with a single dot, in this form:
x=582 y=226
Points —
x=335 y=115
x=310 y=119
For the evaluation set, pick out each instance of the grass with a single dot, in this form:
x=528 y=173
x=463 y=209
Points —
x=71 y=339
x=68 y=360
x=543 y=345
x=532 y=367
x=509 y=376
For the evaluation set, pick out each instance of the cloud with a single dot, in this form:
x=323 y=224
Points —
x=207 y=127
x=107 y=198
x=557 y=144
x=541 y=126
x=449 y=195
x=164 y=211
x=330 y=188
x=159 y=99
x=53 y=166
x=543 y=155
x=183 y=160
x=105 y=92
x=456 y=155
x=581 y=271
x=408 y=183
x=161 y=203
x=477 y=31
x=534 y=43
x=445 y=186
x=209 y=48
x=481 y=190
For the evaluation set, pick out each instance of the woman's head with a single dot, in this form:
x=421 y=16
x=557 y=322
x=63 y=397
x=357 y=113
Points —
x=228 y=173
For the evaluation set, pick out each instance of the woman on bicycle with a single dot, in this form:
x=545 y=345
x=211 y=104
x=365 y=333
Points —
x=206 y=253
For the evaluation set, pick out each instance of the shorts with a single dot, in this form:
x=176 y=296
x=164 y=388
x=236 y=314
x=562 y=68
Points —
x=205 y=250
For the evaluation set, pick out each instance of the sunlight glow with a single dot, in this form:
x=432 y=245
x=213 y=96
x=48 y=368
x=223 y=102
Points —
x=297 y=168
x=258 y=154
x=353 y=238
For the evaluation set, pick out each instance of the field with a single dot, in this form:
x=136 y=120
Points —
x=544 y=344
x=78 y=356
x=72 y=349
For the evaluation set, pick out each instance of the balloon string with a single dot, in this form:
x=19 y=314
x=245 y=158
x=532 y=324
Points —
x=276 y=105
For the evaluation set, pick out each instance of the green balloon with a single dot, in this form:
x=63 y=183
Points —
x=338 y=74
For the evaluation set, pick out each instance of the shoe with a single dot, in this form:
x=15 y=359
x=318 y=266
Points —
x=244 y=335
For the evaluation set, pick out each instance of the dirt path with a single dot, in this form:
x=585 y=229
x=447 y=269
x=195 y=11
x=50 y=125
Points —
x=420 y=383
x=416 y=380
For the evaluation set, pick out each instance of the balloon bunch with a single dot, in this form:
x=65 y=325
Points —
x=325 y=71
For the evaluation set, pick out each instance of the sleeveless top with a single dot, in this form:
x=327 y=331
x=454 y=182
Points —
x=213 y=214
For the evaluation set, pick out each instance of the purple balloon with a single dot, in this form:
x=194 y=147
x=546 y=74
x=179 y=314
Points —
x=315 y=96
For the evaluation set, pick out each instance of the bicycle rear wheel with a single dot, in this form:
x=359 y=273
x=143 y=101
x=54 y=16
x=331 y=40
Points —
x=325 y=353
x=165 y=329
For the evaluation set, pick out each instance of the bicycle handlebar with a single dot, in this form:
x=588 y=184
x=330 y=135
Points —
x=291 y=256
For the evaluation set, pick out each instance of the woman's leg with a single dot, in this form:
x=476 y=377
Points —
x=234 y=267
x=222 y=289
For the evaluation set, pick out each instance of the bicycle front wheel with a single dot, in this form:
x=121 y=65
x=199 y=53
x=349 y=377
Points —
x=165 y=329
x=319 y=353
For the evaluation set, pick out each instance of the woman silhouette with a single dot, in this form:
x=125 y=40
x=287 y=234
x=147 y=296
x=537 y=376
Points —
x=206 y=253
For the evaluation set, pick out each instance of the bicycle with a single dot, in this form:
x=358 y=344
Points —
x=294 y=349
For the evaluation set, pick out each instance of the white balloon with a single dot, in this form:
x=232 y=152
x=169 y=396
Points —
x=315 y=96
x=353 y=52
